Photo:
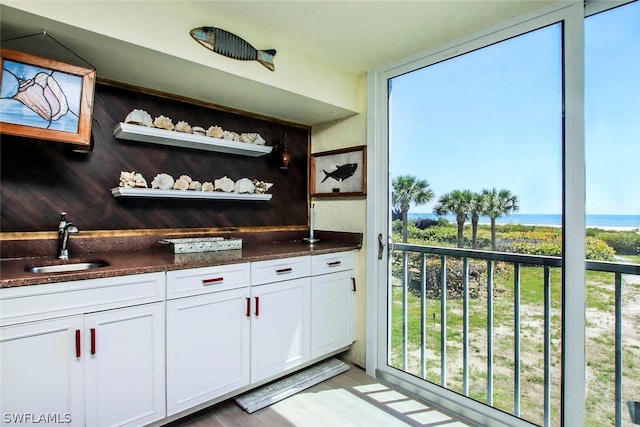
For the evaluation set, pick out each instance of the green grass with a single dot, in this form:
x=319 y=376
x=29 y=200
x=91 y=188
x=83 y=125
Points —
x=600 y=355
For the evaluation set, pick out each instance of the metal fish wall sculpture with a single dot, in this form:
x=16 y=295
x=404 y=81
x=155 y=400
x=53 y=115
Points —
x=228 y=44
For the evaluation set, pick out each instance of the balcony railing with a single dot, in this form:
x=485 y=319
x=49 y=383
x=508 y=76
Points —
x=516 y=262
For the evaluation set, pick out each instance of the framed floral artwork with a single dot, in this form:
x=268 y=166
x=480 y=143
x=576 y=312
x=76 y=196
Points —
x=339 y=173
x=45 y=99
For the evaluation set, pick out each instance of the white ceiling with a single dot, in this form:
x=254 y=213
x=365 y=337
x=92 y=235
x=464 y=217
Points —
x=351 y=36
x=359 y=35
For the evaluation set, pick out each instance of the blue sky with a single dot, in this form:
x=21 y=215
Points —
x=493 y=118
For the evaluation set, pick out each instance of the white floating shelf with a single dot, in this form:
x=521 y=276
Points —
x=187 y=140
x=185 y=194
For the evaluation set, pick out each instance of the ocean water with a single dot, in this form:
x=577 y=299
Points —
x=631 y=221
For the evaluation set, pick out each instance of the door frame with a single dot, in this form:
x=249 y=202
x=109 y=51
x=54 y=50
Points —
x=378 y=215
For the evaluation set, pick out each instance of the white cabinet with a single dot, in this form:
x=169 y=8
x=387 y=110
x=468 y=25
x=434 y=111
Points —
x=208 y=334
x=124 y=359
x=41 y=372
x=280 y=327
x=79 y=365
x=332 y=303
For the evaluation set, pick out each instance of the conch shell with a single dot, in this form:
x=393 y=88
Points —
x=139 y=117
x=224 y=184
x=163 y=122
x=244 y=185
x=215 y=132
x=183 y=127
x=43 y=95
x=162 y=181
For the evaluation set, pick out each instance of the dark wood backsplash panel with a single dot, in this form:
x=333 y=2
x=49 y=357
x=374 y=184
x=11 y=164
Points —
x=40 y=179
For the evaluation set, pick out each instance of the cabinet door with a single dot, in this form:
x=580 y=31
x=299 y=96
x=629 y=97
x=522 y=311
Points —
x=125 y=366
x=331 y=312
x=208 y=354
x=42 y=372
x=279 y=327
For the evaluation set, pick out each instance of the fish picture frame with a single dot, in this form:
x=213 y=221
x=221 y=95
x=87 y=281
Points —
x=45 y=99
x=339 y=173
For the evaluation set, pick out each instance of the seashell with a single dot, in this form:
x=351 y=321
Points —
x=195 y=185
x=163 y=122
x=139 y=117
x=132 y=180
x=183 y=127
x=162 y=181
x=244 y=185
x=186 y=178
x=43 y=96
x=207 y=186
x=230 y=136
x=261 y=186
x=215 y=132
x=224 y=184
x=140 y=181
x=181 y=184
x=252 y=138
x=197 y=130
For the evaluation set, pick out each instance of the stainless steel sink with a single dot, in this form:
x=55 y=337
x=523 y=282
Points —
x=66 y=267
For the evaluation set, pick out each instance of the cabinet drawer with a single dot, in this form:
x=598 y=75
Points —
x=280 y=269
x=37 y=302
x=330 y=263
x=195 y=281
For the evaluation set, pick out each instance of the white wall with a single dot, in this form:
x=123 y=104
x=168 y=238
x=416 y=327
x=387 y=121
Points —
x=346 y=214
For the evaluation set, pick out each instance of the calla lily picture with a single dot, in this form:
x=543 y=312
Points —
x=45 y=99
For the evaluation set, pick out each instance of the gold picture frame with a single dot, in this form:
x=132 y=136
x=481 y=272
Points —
x=45 y=99
x=339 y=173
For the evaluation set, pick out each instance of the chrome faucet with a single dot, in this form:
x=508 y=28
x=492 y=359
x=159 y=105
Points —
x=65 y=228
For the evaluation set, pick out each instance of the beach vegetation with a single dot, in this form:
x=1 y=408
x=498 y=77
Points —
x=457 y=202
x=625 y=242
x=496 y=204
x=407 y=190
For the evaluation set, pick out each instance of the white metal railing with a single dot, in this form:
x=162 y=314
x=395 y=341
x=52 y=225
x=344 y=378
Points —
x=517 y=261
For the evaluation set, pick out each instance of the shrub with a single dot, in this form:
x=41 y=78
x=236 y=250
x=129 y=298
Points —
x=623 y=242
x=423 y=223
x=477 y=285
x=597 y=249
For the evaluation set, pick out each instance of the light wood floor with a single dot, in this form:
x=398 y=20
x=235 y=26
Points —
x=349 y=399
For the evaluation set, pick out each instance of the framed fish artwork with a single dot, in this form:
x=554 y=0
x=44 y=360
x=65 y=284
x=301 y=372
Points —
x=339 y=173
x=45 y=99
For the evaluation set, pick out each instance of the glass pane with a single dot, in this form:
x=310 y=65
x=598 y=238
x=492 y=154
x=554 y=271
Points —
x=612 y=137
x=475 y=147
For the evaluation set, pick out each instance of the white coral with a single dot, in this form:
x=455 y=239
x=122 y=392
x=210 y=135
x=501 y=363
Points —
x=215 y=132
x=132 y=180
x=207 y=186
x=261 y=186
x=224 y=184
x=244 y=185
x=252 y=138
x=163 y=122
x=183 y=127
x=162 y=181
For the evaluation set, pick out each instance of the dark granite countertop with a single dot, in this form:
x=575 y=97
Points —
x=136 y=260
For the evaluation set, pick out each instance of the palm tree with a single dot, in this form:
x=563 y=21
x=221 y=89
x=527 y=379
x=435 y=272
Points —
x=457 y=202
x=476 y=208
x=408 y=189
x=497 y=203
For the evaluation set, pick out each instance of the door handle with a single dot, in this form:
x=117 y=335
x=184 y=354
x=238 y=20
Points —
x=380 y=246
